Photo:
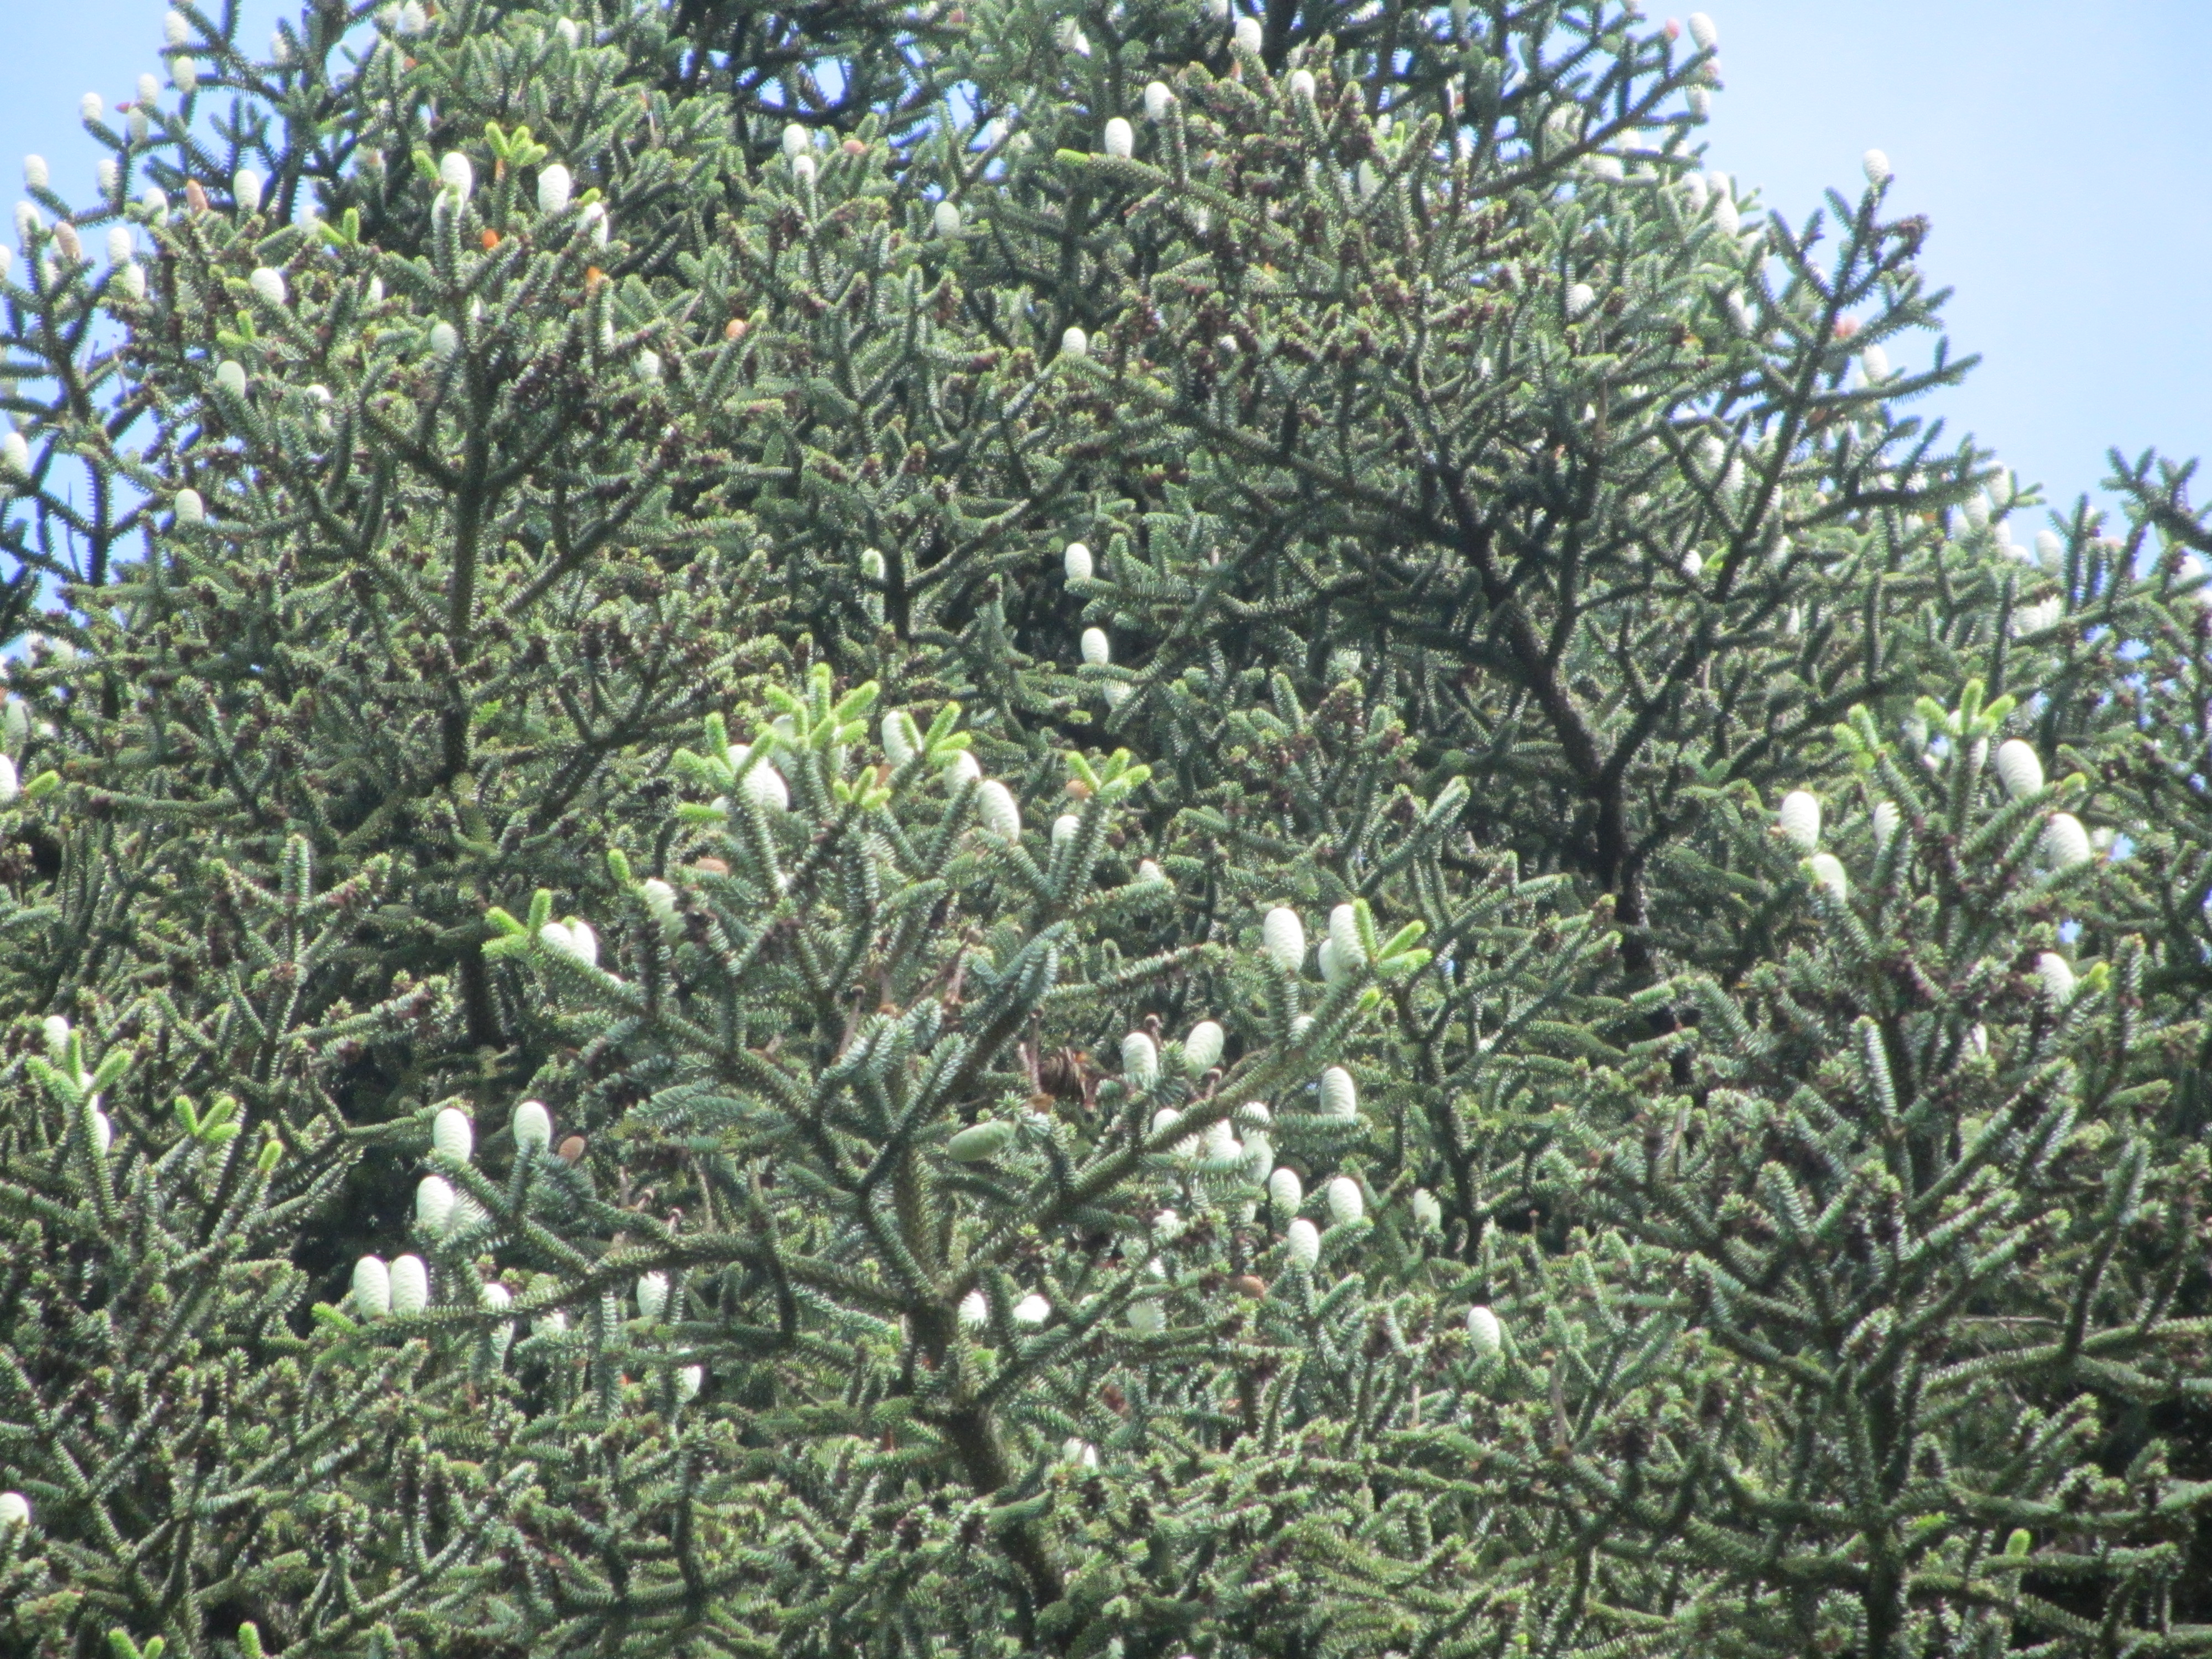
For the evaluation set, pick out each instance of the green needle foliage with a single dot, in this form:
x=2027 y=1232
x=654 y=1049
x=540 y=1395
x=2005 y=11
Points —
x=1127 y=830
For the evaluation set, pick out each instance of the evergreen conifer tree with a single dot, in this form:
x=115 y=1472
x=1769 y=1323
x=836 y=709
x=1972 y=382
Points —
x=1123 y=829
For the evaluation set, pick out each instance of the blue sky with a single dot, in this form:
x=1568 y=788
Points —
x=2058 y=150
x=2056 y=146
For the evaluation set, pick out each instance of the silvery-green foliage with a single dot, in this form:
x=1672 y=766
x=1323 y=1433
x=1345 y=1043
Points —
x=163 y=1181
x=857 y=1064
x=1896 y=1226
x=1416 y=496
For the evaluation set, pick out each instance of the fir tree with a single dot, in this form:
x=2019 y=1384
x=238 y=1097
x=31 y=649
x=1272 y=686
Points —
x=1133 y=831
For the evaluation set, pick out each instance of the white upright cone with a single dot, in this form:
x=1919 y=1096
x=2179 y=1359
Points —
x=975 y=1311
x=1201 y=1049
x=652 y=1296
x=1799 y=821
x=1285 y=937
x=1141 y=1060
x=1827 y=872
x=1885 y=818
x=1121 y=140
x=1032 y=1309
x=451 y=1134
x=1346 y=1201
x=1303 y=1240
x=2019 y=768
x=372 y=1287
x=1344 y=933
x=498 y=1296
x=2055 y=977
x=2065 y=842
x=1076 y=562
x=1286 y=1191
x=1340 y=1094
x=410 y=1286
x=1001 y=818
x=1428 y=1214
x=433 y=1205
x=1485 y=1334
x=15 y=1511
x=902 y=737
x=763 y=783
x=533 y=1128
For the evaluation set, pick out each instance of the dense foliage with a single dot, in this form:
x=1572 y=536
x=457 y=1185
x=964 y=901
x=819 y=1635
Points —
x=702 y=668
